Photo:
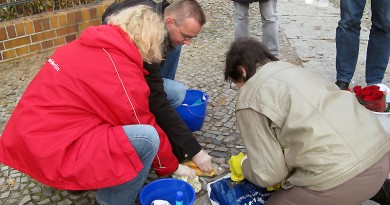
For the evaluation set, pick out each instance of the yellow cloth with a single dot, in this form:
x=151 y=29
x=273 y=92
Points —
x=274 y=188
x=235 y=167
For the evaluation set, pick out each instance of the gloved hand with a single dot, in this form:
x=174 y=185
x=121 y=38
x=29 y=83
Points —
x=275 y=187
x=184 y=170
x=203 y=161
x=235 y=167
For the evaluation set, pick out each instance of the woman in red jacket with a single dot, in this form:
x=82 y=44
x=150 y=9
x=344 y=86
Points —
x=84 y=121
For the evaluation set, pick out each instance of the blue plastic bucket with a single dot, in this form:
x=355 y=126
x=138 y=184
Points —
x=165 y=189
x=193 y=109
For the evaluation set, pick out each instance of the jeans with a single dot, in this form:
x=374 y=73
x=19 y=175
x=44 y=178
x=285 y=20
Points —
x=269 y=18
x=168 y=69
x=347 y=40
x=145 y=141
x=176 y=92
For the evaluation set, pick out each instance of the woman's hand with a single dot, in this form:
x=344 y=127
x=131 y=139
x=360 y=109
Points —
x=184 y=170
x=203 y=161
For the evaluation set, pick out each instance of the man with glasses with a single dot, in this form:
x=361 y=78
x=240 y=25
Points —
x=183 y=20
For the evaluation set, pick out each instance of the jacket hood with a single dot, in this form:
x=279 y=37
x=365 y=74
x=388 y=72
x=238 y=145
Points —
x=111 y=37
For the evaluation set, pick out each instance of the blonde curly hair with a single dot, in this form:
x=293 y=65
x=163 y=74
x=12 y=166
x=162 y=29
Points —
x=145 y=28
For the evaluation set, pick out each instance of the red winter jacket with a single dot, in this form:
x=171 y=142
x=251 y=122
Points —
x=66 y=131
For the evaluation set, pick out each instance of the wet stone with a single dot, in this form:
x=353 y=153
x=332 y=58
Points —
x=92 y=194
x=200 y=139
x=11 y=201
x=83 y=201
x=36 y=198
x=219 y=160
x=215 y=132
x=45 y=201
x=208 y=140
x=4 y=168
x=6 y=174
x=56 y=198
x=219 y=154
x=5 y=194
x=218 y=117
x=213 y=128
x=48 y=192
x=4 y=188
x=15 y=186
x=226 y=166
x=230 y=145
x=216 y=142
x=64 y=193
x=209 y=135
x=17 y=179
x=221 y=149
x=73 y=197
x=224 y=120
x=15 y=194
x=210 y=146
x=220 y=137
x=228 y=124
x=36 y=190
x=24 y=179
x=65 y=202
x=229 y=139
x=24 y=200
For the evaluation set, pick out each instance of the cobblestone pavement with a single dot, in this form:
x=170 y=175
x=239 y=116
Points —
x=200 y=68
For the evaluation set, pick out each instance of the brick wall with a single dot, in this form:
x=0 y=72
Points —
x=25 y=36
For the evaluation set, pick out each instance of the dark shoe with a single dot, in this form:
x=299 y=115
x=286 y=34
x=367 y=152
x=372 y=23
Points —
x=382 y=197
x=342 y=85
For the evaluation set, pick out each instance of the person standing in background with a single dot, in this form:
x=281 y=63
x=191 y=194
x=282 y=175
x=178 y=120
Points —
x=347 y=41
x=269 y=18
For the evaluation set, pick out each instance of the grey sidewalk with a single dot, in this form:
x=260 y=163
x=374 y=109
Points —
x=307 y=39
x=311 y=31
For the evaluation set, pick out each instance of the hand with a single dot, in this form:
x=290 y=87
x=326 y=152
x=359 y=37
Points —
x=203 y=161
x=184 y=170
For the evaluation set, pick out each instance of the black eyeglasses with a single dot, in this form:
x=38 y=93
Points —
x=185 y=36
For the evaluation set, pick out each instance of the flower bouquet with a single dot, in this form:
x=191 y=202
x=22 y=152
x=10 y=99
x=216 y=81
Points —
x=372 y=98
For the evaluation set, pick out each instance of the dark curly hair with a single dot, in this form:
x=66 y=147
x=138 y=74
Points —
x=248 y=53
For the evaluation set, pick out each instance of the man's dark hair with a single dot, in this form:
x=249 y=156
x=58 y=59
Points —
x=248 y=53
